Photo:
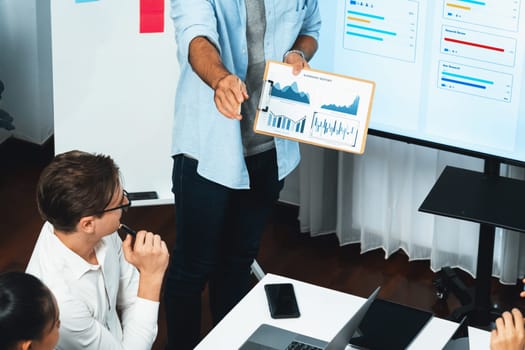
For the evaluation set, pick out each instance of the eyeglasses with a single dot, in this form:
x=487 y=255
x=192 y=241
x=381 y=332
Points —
x=124 y=207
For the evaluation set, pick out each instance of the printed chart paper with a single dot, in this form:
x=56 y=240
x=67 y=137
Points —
x=315 y=107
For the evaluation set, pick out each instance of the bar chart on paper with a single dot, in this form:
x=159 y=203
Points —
x=284 y=123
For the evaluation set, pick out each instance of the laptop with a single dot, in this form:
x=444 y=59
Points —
x=268 y=337
x=459 y=340
x=389 y=326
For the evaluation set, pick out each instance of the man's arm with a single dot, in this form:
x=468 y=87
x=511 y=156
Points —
x=206 y=62
x=304 y=44
x=150 y=256
x=139 y=293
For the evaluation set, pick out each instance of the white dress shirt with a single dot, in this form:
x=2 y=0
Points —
x=88 y=295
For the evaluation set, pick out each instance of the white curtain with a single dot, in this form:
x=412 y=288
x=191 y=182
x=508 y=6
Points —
x=373 y=199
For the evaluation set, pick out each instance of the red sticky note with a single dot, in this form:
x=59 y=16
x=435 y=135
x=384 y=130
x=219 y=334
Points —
x=151 y=16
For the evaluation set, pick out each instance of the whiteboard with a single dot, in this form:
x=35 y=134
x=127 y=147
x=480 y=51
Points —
x=114 y=89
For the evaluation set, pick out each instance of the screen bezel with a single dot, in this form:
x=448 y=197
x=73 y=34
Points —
x=445 y=147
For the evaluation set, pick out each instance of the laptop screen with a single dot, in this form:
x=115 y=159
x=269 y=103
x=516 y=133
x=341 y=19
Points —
x=341 y=339
x=459 y=340
x=391 y=326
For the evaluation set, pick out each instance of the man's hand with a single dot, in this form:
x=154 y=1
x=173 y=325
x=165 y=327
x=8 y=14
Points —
x=230 y=93
x=149 y=253
x=509 y=333
x=229 y=90
x=150 y=256
x=297 y=61
x=304 y=44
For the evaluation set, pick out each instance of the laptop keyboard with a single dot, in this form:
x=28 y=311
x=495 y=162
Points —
x=301 y=346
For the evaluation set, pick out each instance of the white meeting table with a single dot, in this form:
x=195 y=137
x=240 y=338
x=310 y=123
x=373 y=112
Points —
x=323 y=312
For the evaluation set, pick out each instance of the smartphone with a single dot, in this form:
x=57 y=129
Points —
x=281 y=300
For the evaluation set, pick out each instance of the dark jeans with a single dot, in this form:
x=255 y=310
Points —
x=218 y=231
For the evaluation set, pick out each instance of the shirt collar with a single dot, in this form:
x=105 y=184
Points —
x=68 y=258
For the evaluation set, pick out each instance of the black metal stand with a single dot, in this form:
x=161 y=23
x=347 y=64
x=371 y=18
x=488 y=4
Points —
x=490 y=200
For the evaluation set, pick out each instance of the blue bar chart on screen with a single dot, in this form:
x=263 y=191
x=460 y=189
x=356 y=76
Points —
x=450 y=74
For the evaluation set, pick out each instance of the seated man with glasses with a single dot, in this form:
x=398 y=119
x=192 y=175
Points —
x=94 y=275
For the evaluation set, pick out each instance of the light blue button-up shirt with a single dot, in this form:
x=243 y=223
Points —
x=199 y=130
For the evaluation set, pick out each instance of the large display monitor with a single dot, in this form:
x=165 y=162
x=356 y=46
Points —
x=448 y=73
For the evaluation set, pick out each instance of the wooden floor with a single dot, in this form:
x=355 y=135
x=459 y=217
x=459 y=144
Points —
x=284 y=249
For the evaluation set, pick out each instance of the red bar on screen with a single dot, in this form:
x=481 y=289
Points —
x=475 y=44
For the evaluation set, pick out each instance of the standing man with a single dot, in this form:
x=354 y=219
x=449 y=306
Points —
x=94 y=275
x=226 y=178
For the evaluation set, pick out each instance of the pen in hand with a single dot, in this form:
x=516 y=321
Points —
x=128 y=230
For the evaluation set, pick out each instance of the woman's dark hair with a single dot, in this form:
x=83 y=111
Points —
x=74 y=185
x=27 y=308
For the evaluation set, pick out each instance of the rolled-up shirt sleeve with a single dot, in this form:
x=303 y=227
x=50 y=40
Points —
x=193 y=18
x=312 y=21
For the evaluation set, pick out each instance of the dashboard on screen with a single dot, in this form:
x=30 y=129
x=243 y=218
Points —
x=447 y=72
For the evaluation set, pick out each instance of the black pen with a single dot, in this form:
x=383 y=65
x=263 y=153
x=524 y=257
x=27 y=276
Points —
x=128 y=230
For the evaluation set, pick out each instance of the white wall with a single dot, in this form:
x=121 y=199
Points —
x=114 y=89
x=25 y=68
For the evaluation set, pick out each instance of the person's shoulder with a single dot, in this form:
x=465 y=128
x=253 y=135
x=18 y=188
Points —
x=43 y=255
x=59 y=278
